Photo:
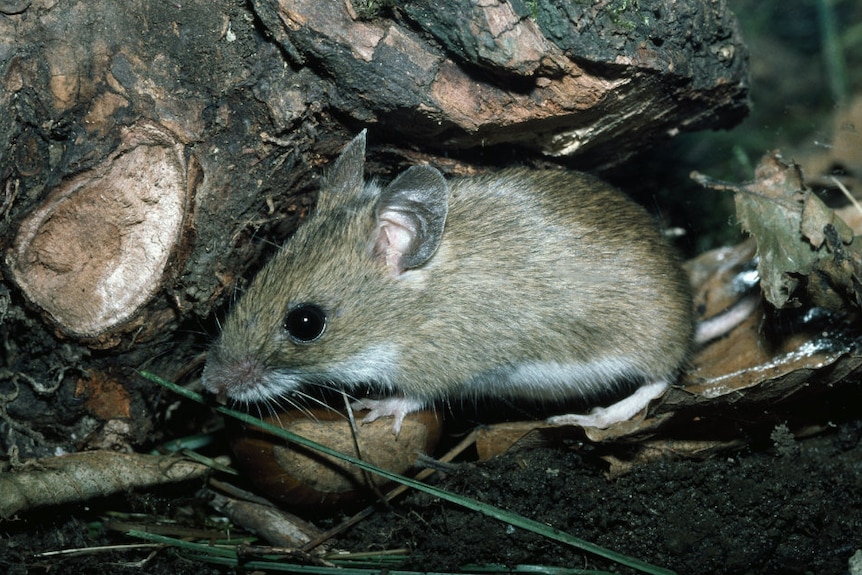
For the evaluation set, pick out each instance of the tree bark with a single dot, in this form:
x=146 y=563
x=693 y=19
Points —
x=152 y=153
x=557 y=76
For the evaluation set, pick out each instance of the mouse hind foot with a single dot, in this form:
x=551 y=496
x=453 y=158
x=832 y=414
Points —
x=623 y=410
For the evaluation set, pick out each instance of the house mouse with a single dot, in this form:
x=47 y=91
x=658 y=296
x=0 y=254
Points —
x=535 y=284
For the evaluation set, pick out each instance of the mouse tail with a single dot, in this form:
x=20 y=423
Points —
x=723 y=323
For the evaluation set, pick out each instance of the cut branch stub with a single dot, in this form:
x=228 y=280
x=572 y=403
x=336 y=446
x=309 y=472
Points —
x=98 y=248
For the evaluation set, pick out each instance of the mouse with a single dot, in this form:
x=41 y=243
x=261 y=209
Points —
x=541 y=285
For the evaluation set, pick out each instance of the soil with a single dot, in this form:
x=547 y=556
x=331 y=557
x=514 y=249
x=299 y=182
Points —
x=783 y=506
x=779 y=505
x=752 y=513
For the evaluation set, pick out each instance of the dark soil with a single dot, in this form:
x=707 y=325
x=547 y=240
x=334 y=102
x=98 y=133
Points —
x=796 y=508
x=788 y=506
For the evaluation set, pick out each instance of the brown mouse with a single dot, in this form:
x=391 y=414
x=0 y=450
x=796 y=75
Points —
x=536 y=284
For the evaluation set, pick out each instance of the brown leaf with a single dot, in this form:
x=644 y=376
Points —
x=800 y=241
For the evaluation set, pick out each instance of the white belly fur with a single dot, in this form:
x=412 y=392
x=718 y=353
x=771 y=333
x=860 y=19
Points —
x=553 y=380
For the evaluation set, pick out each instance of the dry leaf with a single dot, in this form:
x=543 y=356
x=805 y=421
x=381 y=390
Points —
x=300 y=476
x=800 y=241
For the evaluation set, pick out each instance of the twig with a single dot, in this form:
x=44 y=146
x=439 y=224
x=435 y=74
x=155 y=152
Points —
x=80 y=476
x=98 y=549
x=847 y=193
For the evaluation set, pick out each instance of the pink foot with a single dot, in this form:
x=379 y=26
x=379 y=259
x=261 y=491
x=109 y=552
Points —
x=397 y=407
x=623 y=410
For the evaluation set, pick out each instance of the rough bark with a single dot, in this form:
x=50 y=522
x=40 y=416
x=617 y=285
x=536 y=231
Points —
x=152 y=152
x=558 y=76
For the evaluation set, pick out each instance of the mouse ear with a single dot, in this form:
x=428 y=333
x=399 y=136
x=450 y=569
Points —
x=411 y=215
x=346 y=177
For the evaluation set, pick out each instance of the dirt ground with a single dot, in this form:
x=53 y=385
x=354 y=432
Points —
x=778 y=505
x=781 y=505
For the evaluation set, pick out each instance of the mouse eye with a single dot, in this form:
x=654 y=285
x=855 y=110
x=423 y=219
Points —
x=305 y=323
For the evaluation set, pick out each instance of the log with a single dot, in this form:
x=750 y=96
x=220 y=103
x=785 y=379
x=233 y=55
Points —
x=153 y=153
x=557 y=76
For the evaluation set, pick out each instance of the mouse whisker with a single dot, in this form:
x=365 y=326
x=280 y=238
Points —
x=310 y=399
x=301 y=406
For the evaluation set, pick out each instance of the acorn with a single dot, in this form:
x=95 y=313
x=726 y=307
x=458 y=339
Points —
x=301 y=477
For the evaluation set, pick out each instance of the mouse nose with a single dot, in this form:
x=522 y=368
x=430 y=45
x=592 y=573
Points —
x=231 y=377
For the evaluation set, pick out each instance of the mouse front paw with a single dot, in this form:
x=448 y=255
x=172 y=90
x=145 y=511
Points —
x=397 y=407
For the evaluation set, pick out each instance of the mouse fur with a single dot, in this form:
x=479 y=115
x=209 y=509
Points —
x=535 y=284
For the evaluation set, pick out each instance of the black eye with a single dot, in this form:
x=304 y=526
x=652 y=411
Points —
x=305 y=323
